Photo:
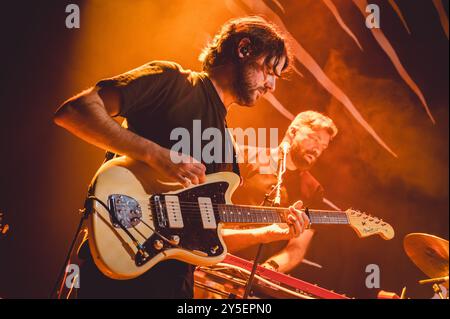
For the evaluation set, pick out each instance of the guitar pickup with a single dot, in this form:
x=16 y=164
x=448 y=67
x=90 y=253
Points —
x=173 y=210
x=207 y=213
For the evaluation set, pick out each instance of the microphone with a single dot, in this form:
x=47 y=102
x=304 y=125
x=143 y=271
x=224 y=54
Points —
x=285 y=148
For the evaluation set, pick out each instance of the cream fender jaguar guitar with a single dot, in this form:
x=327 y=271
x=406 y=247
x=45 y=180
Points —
x=139 y=219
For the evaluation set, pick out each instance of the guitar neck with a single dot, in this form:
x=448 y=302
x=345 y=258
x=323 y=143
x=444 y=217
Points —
x=243 y=214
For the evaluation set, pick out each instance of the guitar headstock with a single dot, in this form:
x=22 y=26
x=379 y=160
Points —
x=366 y=225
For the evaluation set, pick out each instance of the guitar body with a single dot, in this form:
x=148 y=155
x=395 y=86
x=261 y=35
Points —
x=130 y=189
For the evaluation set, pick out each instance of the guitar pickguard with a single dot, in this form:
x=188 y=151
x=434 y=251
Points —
x=193 y=236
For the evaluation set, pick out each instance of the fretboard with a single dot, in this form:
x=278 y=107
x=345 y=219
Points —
x=269 y=215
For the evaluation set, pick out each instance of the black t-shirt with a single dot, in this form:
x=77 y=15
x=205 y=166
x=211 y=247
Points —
x=157 y=98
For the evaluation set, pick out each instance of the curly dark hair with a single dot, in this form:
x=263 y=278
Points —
x=265 y=38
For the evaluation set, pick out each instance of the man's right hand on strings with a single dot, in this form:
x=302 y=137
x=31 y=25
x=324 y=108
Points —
x=183 y=168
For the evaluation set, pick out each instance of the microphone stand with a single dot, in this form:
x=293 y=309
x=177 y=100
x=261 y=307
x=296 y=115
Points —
x=85 y=211
x=281 y=169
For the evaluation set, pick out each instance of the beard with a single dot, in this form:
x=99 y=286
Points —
x=244 y=86
x=301 y=159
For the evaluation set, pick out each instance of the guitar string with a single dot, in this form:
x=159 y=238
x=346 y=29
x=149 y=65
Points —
x=196 y=206
x=197 y=216
x=195 y=211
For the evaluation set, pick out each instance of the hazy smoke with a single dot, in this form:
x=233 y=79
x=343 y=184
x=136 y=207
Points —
x=391 y=111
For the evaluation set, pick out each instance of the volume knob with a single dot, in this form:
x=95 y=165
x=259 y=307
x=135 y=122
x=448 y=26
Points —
x=158 y=244
x=175 y=239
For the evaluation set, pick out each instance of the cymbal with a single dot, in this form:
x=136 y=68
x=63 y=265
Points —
x=429 y=253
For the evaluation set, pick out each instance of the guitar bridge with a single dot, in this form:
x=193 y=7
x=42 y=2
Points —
x=161 y=217
x=167 y=211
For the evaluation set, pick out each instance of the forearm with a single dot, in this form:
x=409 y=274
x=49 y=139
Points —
x=237 y=239
x=87 y=118
x=292 y=255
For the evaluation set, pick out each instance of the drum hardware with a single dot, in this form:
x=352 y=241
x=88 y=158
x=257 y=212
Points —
x=382 y=294
x=434 y=280
x=430 y=254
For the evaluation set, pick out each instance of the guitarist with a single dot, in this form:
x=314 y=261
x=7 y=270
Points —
x=240 y=65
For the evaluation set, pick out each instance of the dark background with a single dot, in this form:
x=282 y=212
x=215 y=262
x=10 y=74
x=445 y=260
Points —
x=45 y=170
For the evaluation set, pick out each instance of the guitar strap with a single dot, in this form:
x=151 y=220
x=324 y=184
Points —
x=235 y=153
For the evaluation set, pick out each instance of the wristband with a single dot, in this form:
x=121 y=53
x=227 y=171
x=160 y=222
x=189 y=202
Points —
x=273 y=264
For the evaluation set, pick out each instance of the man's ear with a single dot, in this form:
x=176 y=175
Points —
x=292 y=130
x=244 y=49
